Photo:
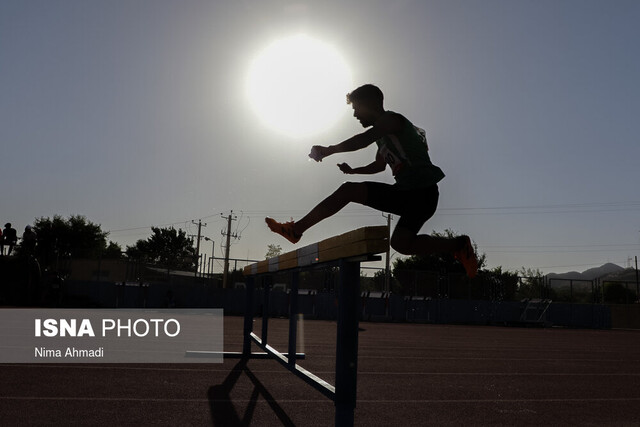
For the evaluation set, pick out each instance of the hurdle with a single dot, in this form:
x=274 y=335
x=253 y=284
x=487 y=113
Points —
x=345 y=251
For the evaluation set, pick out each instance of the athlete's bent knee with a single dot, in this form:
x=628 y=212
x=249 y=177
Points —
x=402 y=243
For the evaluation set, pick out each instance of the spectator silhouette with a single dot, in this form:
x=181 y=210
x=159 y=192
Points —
x=29 y=239
x=9 y=237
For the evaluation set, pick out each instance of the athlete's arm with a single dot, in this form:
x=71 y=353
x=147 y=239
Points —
x=377 y=166
x=387 y=124
x=355 y=143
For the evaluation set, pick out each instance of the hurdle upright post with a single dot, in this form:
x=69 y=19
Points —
x=347 y=343
x=248 y=316
x=293 y=318
x=266 y=291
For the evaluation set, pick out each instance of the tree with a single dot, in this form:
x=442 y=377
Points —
x=112 y=251
x=496 y=285
x=377 y=282
x=618 y=293
x=72 y=237
x=531 y=284
x=167 y=247
x=273 y=251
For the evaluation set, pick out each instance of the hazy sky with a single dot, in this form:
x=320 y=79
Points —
x=134 y=113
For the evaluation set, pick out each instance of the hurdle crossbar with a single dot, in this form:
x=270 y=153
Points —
x=357 y=243
x=346 y=251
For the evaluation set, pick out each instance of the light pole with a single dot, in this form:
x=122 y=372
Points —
x=213 y=247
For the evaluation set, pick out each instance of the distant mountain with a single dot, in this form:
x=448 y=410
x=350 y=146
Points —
x=608 y=269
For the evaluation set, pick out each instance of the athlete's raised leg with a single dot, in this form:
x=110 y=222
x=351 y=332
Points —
x=348 y=192
x=407 y=242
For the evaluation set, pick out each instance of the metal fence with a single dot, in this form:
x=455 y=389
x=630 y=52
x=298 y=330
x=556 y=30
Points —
x=435 y=285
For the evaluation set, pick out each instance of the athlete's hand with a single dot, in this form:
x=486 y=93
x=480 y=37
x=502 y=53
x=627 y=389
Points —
x=345 y=168
x=318 y=152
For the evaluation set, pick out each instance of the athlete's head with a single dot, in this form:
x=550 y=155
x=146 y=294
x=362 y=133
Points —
x=367 y=93
x=367 y=102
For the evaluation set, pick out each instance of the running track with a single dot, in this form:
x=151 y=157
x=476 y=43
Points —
x=408 y=375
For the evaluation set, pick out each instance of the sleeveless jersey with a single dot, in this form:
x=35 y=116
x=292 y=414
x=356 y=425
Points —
x=408 y=156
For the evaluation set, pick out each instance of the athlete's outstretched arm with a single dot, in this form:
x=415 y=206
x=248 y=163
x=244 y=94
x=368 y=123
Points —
x=386 y=125
x=355 y=143
x=377 y=166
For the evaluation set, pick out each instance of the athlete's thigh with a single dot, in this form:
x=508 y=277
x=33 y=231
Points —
x=423 y=205
x=385 y=197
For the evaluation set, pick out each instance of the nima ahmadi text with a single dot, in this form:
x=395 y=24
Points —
x=68 y=352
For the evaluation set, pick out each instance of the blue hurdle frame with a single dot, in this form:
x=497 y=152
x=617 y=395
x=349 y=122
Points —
x=344 y=392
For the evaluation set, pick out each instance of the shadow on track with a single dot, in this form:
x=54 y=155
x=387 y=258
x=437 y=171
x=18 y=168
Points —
x=224 y=412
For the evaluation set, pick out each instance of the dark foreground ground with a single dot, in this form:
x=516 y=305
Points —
x=409 y=375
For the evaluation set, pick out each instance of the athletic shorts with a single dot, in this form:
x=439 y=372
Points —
x=414 y=206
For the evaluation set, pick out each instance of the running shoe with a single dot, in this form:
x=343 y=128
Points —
x=285 y=229
x=467 y=257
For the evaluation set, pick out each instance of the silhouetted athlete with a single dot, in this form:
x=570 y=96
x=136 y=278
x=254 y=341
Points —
x=414 y=196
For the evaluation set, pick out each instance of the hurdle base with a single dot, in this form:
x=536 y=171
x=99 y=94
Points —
x=236 y=355
x=310 y=378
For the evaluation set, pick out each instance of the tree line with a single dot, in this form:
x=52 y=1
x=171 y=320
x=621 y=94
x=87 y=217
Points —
x=78 y=238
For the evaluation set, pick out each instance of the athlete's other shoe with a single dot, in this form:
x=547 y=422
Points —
x=285 y=229
x=467 y=257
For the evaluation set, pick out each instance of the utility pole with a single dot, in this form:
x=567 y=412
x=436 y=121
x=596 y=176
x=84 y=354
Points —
x=387 y=271
x=637 y=283
x=198 y=244
x=228 y=249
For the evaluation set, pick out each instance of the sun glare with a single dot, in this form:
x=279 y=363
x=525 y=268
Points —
x=297 y=86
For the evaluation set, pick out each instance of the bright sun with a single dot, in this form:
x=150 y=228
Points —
x=297 y=86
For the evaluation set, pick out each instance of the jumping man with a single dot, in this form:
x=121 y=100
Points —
x=414 y=196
